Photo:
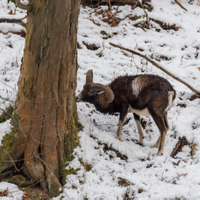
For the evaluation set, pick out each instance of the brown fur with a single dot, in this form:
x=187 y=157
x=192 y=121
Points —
x=138 y=92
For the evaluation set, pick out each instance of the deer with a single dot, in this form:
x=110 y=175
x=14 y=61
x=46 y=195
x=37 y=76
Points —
x=143 y=94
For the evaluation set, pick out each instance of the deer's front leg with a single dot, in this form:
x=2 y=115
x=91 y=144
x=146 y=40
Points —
x=138 y=123
x=122 y=117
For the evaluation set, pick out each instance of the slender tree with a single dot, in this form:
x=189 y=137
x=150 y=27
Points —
x=45 y=119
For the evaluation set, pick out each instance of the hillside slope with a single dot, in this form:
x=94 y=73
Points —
x=105 y=168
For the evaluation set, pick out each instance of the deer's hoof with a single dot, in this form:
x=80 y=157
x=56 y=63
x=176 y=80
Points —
x=118 y=138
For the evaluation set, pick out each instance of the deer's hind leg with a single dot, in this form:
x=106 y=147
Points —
x=163 y=126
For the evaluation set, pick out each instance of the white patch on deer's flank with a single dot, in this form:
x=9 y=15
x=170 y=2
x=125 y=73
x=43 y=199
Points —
x=170 y=100
x=136 y=86
x=143 y=112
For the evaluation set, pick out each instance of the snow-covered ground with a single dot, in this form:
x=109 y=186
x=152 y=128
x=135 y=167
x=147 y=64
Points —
x=120 y=169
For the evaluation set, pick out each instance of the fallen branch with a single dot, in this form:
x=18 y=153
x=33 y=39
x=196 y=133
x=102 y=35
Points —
x=22 y=33
x=180 y=5
x=158 y=66
x=116 y=2
x=16 y=21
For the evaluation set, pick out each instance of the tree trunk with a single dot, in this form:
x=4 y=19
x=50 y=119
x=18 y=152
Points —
x=45 y=118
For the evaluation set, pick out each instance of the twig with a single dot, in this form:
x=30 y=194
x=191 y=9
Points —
x=104 y=1
x=147 y=17
x=8 y=85
x=13 y=163
x=180 y=5
x=177 y=178
x=158 y=66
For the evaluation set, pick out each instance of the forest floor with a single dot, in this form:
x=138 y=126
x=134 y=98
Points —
x=106 y=168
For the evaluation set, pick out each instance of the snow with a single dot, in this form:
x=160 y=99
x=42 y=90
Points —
x=13 y=191
x=5 y=128
x=124 y=162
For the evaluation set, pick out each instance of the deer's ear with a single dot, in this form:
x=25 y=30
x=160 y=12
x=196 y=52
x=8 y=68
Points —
x=89 y=76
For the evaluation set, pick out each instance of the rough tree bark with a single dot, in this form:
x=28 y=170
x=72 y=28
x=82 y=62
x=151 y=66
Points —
x=45 y=118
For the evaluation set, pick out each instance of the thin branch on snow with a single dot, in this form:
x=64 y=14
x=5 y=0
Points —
x=147 y=17
x=16 y=21
x=158 y=66
x=180 y=5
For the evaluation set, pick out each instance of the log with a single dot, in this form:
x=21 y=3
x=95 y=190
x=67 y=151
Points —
x=114 y=2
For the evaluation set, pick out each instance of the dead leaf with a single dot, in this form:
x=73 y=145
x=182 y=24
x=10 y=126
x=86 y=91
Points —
x=4 y=193
x=182 y=105
x=194 y=96
x=87 y=105
x=176 y=28
x=181 y=143
x=110 y=14
x=123 y=182
x=140 y=191
x=25 y=196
